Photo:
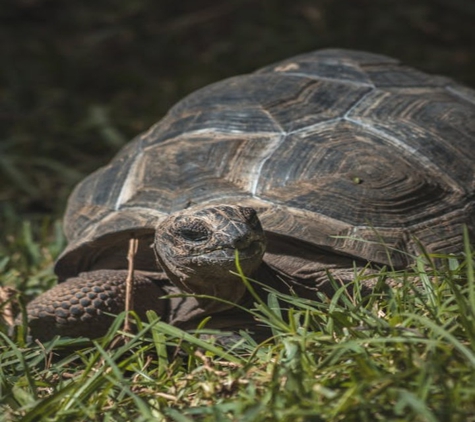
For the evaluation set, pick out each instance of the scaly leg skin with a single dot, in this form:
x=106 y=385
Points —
x=77 y=306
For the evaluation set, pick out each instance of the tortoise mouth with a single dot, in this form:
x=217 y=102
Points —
x=223 y=254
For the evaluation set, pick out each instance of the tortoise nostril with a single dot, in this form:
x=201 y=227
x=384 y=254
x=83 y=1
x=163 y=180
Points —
x=242 y=242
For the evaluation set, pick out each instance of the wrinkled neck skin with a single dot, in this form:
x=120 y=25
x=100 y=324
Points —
x=197 y=250
x=210 y=279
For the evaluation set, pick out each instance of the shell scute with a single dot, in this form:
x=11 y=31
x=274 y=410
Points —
x=344 y=150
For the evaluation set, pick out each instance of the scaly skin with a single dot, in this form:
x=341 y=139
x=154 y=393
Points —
x=196 y=249
x=78 y=306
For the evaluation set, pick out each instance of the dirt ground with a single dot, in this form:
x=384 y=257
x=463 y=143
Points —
x=78 y=78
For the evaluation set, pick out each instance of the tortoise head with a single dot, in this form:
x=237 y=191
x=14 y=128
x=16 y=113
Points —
x=197 y=249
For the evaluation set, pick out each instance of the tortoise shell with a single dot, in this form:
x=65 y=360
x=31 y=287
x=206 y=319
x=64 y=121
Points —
x=347 y=151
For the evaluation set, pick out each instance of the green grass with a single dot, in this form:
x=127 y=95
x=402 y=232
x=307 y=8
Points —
x=80 y=79
x=406 y=353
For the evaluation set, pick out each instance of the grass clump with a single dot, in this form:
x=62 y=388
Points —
x=405 y=353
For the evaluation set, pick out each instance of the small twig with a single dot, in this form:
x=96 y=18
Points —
x=129 y=283
x=8 y=305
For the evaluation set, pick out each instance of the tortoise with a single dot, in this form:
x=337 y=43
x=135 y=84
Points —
x=329 y=161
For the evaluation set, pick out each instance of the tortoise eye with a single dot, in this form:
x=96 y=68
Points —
x=194 y=232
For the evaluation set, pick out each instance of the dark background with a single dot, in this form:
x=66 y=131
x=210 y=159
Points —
x=79 y=78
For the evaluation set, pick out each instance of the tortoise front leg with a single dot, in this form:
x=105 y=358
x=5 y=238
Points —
x=77 y=306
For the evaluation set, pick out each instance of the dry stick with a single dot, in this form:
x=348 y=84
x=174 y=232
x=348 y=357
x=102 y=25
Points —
x=8 y=300
x=129 y=283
